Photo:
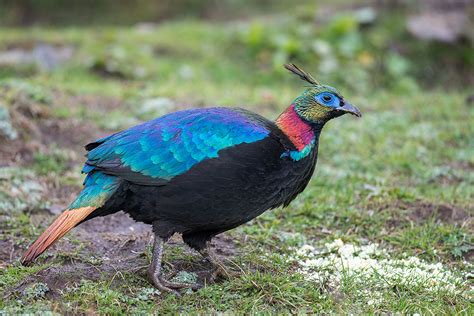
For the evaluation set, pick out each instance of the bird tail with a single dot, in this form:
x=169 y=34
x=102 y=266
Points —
x=98 y=188
x=63 y=224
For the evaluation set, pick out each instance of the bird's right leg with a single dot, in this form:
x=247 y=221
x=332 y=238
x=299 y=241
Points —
x=154 y=270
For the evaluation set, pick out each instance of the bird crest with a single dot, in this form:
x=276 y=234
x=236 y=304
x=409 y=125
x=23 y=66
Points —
x=302 y=74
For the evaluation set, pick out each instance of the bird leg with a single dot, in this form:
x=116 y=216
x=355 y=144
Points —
x=218 y=268
x=154 y=271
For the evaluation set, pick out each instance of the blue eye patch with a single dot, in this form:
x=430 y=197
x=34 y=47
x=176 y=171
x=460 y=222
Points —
x=328 y=99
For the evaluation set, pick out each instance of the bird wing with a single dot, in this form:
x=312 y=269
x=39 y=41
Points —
x=156 y=151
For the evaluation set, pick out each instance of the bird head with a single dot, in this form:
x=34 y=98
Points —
x=319 y=103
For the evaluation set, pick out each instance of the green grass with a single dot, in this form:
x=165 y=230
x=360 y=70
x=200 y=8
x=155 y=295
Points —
x=411 y=151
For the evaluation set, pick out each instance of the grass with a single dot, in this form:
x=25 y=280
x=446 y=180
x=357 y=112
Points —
x=401 y=177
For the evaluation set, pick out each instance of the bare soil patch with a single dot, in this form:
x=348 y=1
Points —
x=421 y=211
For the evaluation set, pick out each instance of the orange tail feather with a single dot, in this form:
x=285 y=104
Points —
x=64 y=223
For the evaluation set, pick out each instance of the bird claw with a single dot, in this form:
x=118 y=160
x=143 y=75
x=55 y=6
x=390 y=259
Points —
x=165 y=285
x=158 y=283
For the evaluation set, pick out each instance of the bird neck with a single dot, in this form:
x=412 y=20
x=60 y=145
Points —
x=301 y=133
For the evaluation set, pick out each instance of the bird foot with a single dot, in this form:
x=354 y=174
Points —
x=157 y=282
x=165 y=285
x=155 y=275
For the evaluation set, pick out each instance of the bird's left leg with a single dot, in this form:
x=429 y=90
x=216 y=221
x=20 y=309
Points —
x=218 y=267
x=154 y=270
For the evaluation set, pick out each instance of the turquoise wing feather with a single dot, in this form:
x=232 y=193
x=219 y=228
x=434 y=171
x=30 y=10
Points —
x=156 y=151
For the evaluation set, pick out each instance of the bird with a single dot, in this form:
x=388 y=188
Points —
x=201 y=172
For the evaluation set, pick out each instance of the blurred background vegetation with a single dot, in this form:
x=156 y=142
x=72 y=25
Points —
x=396 y=44
x=402 y=176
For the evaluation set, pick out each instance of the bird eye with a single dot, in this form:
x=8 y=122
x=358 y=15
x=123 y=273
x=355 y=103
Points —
x=328 y=99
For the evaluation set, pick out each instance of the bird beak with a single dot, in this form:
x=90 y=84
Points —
x=349 y=108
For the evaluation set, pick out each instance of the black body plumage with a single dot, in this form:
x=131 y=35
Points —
x=218 y=194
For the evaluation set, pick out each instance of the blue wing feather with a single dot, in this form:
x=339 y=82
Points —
x=158 y=150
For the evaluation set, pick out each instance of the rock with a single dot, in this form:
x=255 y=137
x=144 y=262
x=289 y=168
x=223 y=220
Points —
x=48 y=57
x=14 y=57
x=445 y=27
x=45 y=56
